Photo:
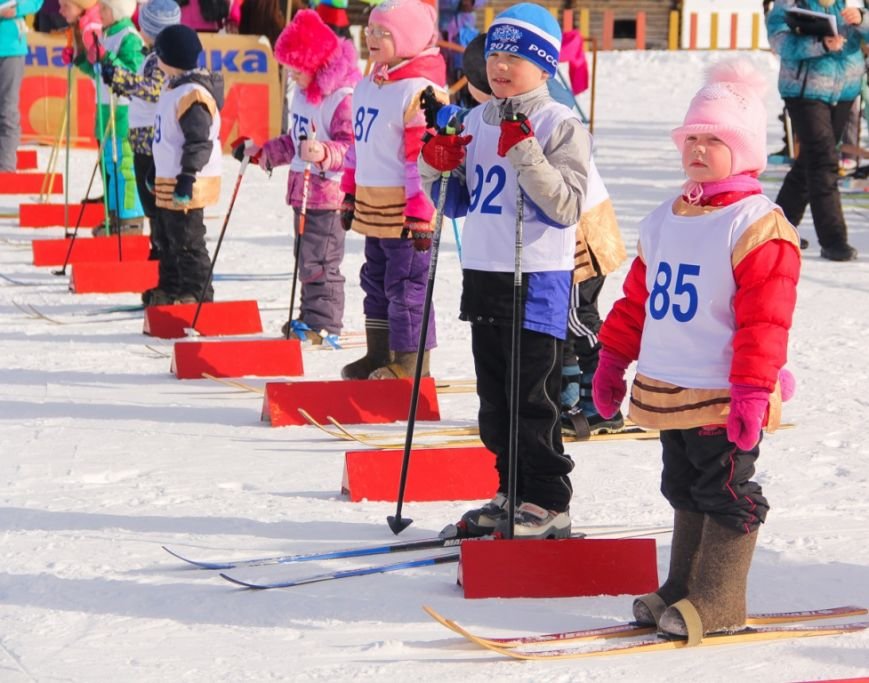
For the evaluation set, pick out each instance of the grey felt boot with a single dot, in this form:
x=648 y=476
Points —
x=377 y=354
x=716 y=597
x=687 y=533
x=403 y=365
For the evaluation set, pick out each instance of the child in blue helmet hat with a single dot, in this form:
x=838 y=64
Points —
x=519 y=141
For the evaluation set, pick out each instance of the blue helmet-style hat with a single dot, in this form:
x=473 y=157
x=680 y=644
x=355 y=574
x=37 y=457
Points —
x=528 y=31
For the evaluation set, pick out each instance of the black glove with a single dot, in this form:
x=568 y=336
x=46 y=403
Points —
x=238 y=152
x=107 y=71
x=430 y=106
x=348 y=206
x=183 y=193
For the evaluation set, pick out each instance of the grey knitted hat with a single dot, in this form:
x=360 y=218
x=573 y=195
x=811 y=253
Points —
x=155 y=15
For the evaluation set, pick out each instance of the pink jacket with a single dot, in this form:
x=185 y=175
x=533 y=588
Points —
x=191 y=16
x=340 y=72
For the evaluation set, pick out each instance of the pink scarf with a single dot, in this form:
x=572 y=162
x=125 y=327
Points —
x=694 y=192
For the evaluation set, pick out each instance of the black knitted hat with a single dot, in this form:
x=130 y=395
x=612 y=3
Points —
x=178 y=46
x=474 y=63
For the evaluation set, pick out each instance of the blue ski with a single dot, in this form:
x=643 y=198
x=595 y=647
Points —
x=450 y=537
x=363 y=551
x=347 y=573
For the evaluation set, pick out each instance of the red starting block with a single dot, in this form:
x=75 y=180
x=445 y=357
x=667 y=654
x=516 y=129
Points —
x=434 y=474
x=215 y=318
x=52 y=215
x=25 y=160
x=29 y=183
x=370 y=401
x=565 y=568
x=237 y=358
x=126 y=276
x=90 y=249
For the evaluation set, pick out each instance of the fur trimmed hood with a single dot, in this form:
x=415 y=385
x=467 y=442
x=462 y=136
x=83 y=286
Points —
x=340 y=71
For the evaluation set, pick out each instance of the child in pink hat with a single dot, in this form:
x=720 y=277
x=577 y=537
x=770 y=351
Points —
x=706 y=313
x=324 y=68
x=384 y=199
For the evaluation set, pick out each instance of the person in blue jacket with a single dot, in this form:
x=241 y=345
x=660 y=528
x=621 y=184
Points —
x=13 y=48
x=819 y=79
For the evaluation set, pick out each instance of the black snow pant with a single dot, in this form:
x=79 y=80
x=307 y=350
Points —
x=543 y=467
x=704 y=472
x=184 y=262
x=583 y=324
x=143 y=165
x=812 y=180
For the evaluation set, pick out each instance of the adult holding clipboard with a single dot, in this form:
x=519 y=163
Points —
x=818 y=42
x=13 y=47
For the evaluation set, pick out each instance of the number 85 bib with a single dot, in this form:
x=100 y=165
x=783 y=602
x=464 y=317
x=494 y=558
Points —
x=688 y=332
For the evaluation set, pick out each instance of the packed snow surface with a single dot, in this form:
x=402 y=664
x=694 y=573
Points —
x=106 y=457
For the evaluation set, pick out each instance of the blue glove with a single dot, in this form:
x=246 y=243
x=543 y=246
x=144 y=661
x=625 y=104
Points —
x=183 y=194
x=447 y=117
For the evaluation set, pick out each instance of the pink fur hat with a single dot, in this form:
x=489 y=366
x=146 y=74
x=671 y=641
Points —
x=306 y=44
x=412 y=24
x=730 y=106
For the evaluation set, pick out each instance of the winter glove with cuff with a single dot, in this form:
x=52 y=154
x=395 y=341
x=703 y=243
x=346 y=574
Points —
x=348 y=206
x=183 y=193
x=445 y=152
x=748 y=406
x=419 y=231
x=608 y=388
x=514 y=130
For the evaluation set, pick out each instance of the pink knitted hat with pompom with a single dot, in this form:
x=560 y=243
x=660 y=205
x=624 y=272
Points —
x=730 y=106
x=412 y=24
x=306 y=44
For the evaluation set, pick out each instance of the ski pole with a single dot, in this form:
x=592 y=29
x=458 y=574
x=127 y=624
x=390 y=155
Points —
x=81 y=210
x=191 y=331
x=513 y=442
x=297 y=243
x=51 y=169
x=69 y=40
x=117 y=171
x=101 y=126
x=515 y=348
x=396 y=523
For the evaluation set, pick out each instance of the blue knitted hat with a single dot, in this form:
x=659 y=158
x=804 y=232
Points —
x=529 y=31
x=155 y=15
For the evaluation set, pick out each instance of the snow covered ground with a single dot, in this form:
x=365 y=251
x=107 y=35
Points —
x=106 y=457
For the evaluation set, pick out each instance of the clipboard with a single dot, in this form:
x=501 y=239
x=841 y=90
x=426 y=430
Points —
x=806 y=22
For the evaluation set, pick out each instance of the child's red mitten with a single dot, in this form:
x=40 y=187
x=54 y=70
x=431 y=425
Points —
x=513 y=131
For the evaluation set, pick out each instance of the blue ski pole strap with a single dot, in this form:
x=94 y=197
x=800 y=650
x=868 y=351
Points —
x=330 y=339
x=458 y=237
x=299 y=328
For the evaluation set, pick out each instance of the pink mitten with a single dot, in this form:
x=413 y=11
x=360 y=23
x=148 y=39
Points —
x=608 y=387
x=748 y=406
x=788 y=384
